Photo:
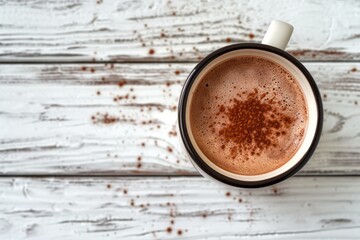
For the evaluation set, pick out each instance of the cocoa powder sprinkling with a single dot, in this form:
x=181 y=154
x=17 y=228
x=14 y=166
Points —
x=254 y=125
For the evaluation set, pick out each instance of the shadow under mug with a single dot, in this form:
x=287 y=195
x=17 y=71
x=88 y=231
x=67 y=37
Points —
x=311 y=94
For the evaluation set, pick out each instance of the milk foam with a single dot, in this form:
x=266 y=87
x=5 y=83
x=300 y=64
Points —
x=235 y=79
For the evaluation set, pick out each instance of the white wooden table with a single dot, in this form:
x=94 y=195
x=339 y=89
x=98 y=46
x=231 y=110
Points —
x=88 y=147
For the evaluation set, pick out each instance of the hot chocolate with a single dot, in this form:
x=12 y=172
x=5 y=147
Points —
x=248 y=115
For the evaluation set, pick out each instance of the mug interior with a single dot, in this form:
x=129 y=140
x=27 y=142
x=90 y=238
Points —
x=310 y=100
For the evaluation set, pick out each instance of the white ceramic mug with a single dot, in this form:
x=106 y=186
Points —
x=272 y=48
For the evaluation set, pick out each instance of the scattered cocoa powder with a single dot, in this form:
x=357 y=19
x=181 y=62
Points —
x=83 y=68
x=104 y=118
x=151 y=51
x=98 y=93
x=228 y=40
x=228 y=194
x=169 y=230
x=251 y=35
x=354 y=69
x=108 y=186
x=179 y=232
x=121 y=83
x=177 y=72
x=169 y=149
x=92 y=70
x=173 y=133
x=125 y=191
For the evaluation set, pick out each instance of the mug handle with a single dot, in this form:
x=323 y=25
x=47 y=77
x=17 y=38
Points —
x=278 y=34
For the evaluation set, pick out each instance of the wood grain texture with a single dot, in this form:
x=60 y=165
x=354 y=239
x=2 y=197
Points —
x=46 y=116
x=144 y=208
x=176 y=30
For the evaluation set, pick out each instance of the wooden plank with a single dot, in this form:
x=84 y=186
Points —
x=176 y=30
x=178 y=208
x=47 y=127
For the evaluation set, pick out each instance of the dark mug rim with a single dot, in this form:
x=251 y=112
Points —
x=189 y=146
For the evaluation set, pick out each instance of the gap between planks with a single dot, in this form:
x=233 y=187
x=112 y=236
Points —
x=168 y=176
x=149 y=63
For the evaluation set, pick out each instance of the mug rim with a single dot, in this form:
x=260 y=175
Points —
x=196 y=159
